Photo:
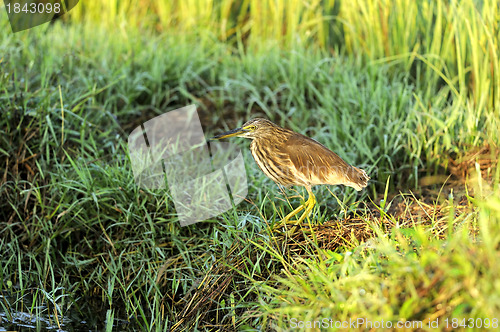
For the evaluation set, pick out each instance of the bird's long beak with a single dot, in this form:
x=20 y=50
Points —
x=231 y=133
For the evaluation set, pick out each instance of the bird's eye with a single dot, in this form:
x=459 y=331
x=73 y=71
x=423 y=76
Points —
x=250 y=127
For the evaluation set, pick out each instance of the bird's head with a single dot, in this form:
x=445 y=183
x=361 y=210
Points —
x=256 y=128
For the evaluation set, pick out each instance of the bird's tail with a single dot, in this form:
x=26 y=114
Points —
x=358 y=179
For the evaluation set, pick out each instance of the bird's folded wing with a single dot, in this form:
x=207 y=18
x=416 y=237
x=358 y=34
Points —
x=315 y=162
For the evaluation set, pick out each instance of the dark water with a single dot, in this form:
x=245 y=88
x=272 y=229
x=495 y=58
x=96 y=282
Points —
x=89 y=314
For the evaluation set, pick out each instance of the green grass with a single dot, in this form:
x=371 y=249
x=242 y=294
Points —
x=81 y=241
x=410 y=274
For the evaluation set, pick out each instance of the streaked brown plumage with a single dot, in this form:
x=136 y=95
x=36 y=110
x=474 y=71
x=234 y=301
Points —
x=290 y=158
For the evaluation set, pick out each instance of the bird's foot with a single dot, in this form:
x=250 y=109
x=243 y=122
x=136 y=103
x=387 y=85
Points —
x=286 y=222
x=307 y=207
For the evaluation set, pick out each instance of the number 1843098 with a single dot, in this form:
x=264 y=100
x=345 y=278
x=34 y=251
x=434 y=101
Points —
x=33 y=8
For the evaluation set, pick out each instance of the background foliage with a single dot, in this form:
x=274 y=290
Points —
x=408 y=90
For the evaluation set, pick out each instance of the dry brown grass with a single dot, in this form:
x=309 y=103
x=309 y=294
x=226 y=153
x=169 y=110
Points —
x=484 y=158
x=404 y=211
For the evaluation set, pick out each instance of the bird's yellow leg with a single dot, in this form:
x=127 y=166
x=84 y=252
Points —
x=291 y=214
x=308 y=205
x=311 y=201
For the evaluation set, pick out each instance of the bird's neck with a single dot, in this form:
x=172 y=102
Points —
x=274 y=140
